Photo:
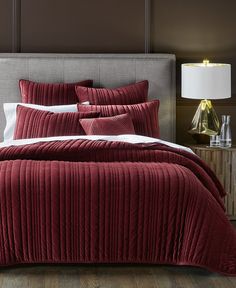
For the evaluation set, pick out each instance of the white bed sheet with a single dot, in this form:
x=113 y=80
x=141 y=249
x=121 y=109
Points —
x=129 y=138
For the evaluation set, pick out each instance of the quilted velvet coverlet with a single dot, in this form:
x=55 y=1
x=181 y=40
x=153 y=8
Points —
x=82 y=201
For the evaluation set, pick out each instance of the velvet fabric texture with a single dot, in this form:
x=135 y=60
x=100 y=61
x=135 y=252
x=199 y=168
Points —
x=130 y=94
x=112 y=202
x=50 y=93
x=144 y=115
x=116 y=125
x=33 y=123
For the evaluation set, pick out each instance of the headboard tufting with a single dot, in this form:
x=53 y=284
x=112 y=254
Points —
x=107 y=70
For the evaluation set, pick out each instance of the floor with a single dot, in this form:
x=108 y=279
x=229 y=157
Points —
x=112 y=277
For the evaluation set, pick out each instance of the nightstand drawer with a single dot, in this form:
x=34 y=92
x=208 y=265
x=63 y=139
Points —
x=223 y=163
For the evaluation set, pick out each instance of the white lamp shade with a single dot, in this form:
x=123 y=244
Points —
x=201 y=81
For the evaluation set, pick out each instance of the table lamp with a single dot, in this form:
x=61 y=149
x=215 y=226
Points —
x=205 y=81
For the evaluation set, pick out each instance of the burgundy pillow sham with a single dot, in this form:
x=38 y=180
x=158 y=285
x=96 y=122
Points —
x=49 y=94
x=33 y=123
x=115 y=125
x=130 y=94
x=144 y=115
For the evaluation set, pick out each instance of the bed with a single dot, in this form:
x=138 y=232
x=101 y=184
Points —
x=115 y=199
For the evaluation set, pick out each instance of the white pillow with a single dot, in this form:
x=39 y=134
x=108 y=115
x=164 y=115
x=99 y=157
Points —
x=10 y=114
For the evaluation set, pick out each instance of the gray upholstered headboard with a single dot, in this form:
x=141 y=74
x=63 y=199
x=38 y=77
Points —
x=107 y=70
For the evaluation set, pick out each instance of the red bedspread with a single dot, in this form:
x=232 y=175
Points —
x=83 y=201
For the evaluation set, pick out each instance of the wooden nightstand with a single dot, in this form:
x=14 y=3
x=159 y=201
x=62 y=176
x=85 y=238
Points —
x=223 y=162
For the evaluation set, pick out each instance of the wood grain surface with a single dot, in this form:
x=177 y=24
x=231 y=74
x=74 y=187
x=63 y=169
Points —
x=223 y=163
x=112 y=277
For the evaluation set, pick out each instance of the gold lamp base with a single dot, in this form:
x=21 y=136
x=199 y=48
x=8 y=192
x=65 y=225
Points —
x=205 y=123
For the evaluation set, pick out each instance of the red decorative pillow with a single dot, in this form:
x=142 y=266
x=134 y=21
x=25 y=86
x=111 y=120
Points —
x=33 y=123
x=116 y=125
x=131 y=94
x=144 y=115
x=49 y=94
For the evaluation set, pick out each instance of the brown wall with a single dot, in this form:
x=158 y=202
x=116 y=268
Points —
x=191 y=29
x=195 y=30
x=5 y=26
x=82 y=26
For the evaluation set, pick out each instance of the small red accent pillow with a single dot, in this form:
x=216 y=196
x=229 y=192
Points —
x=116 y=125
x=130 y=94
x=33 y=123
x=144 y=115
x=49 y=94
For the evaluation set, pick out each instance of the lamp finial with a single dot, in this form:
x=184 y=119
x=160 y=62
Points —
x=206 y=62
